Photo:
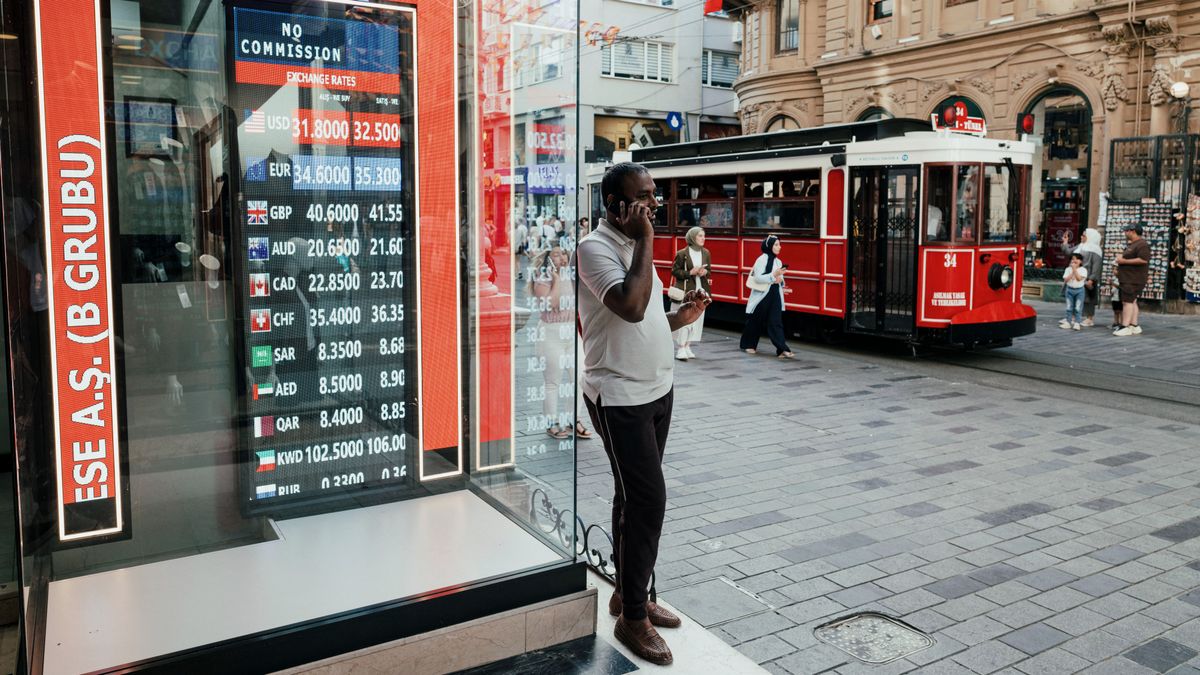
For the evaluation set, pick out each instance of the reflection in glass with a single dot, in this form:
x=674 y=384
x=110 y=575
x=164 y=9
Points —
x=939 y=187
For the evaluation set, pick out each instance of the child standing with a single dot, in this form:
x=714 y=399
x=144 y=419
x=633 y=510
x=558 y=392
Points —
x=1075 y=277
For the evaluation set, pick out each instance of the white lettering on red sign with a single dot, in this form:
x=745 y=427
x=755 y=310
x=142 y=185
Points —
x=78 y=272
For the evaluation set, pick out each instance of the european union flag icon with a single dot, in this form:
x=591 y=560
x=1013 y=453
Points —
x=256 y=170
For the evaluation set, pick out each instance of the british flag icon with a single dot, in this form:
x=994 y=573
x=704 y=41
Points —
x=256 y=212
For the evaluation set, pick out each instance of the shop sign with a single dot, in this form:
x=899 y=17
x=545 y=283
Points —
x=546 y=179
x=78 y=274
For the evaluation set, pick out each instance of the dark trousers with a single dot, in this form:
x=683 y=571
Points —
x=767 y=315
x=634 y=438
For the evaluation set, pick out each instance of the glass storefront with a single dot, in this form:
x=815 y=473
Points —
x=274 y=361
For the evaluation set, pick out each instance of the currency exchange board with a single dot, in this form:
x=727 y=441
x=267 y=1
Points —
x=323 y=98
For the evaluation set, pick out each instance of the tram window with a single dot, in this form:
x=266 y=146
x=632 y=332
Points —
x=1000 y=207
x=661 y=192
x=782 y=202
x=797 y=217
x=707 y=187
x=710 y=216
x=966 y=219
x=939 y=186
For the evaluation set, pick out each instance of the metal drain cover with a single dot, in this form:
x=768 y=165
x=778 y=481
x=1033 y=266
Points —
x=873 y=638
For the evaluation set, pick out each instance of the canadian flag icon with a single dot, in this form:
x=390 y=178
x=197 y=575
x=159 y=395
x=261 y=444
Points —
x=260 y=285
x=260 y=321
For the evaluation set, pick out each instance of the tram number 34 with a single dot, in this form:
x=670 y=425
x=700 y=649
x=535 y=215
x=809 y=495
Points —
x=950 y=260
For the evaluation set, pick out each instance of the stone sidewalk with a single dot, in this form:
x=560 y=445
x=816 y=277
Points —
x=1169 y=343
x=1025 y=533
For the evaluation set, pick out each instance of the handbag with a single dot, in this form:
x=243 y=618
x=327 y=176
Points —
x=755 y=285
x=675 y=294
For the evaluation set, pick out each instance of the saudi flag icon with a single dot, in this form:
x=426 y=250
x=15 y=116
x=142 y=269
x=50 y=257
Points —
x=266 y=460
x=261 y=356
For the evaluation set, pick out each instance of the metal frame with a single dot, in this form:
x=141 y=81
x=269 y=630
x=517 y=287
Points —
x=1189 y=175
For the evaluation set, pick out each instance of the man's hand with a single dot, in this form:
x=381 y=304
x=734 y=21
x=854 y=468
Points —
x=635 y=221
x=693 y=305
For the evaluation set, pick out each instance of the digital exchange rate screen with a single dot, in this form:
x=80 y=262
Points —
x=325 y=158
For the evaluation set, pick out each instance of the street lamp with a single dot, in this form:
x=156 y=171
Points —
x=1182 y=92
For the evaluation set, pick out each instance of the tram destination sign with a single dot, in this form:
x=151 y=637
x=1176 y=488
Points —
x=325 y=163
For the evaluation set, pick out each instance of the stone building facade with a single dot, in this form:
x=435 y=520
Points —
x=1109 y=64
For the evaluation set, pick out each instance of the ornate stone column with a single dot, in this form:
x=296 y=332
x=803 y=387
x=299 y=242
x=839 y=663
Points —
x=1161 y=36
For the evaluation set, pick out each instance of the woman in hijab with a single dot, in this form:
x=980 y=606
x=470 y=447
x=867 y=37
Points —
x=691 y=269
x=765 y=308
x=1093 y=260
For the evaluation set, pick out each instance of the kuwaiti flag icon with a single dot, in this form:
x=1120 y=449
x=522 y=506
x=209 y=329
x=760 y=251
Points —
x=264 y=426
x=266 y=460
x=264 y=491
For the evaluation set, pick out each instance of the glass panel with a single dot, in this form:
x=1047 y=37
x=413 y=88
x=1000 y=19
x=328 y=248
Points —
x=788 y=17
x=967 y=199
x=718 y=215
x=313 y=325
x=707 y=187
x=796 y=217
x=999 y=223
x=939 y=188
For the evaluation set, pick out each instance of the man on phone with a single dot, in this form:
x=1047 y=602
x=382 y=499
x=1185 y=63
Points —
x=628 y=387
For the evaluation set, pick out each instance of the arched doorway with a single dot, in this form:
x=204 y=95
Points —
x=781 y=123
x=875 y=113
x=1063 y=127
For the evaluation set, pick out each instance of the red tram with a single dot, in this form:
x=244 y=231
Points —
x=889 y=227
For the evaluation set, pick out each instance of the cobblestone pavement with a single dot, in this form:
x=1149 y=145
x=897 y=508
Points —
x=1026 y=533
x=1169 y=343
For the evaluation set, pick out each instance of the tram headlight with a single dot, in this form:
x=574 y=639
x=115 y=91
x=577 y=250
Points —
x=1000 y=276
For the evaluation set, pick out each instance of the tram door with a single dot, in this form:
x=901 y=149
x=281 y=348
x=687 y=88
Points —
x=883 y=249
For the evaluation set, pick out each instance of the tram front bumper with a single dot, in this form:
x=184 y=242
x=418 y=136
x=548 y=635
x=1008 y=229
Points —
x=993 y=322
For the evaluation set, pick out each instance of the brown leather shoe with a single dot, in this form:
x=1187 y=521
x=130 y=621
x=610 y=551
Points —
x=659 y=616
x=644 y=641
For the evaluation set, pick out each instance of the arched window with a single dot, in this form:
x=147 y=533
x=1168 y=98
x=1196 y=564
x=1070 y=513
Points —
x=875 y=113
x=973 y=108
x=787 y=16
x=781 y=123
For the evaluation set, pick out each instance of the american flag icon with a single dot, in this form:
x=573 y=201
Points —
x=256 y=121
x=256 y=212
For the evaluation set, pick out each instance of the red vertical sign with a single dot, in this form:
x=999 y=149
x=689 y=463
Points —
x=78 y=274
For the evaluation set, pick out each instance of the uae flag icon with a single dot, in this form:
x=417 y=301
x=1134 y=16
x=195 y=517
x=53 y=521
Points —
x=260 y=321
x=266 y=461
x=264 y=389
x=260 y=285
x=264 y=426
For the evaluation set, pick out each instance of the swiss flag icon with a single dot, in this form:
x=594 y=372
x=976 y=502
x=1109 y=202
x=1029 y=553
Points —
x=260 y=321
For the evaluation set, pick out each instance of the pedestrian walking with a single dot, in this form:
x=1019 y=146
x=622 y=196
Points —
x=552 y=282
x=1133 y=270
x=1074 y=278
x=1093 y=261
x=628 y=389
x=764 y=309
x=693 y=264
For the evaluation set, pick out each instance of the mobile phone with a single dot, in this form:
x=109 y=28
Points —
x=785 y=266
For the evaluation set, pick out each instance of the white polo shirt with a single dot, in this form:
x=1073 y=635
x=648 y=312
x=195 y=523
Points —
x=624 y=363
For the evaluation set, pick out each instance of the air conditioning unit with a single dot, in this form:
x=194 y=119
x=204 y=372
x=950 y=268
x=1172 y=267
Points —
x=737 y=32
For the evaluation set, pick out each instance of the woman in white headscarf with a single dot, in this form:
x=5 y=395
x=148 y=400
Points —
x=691 y=268
x=1093 y=260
